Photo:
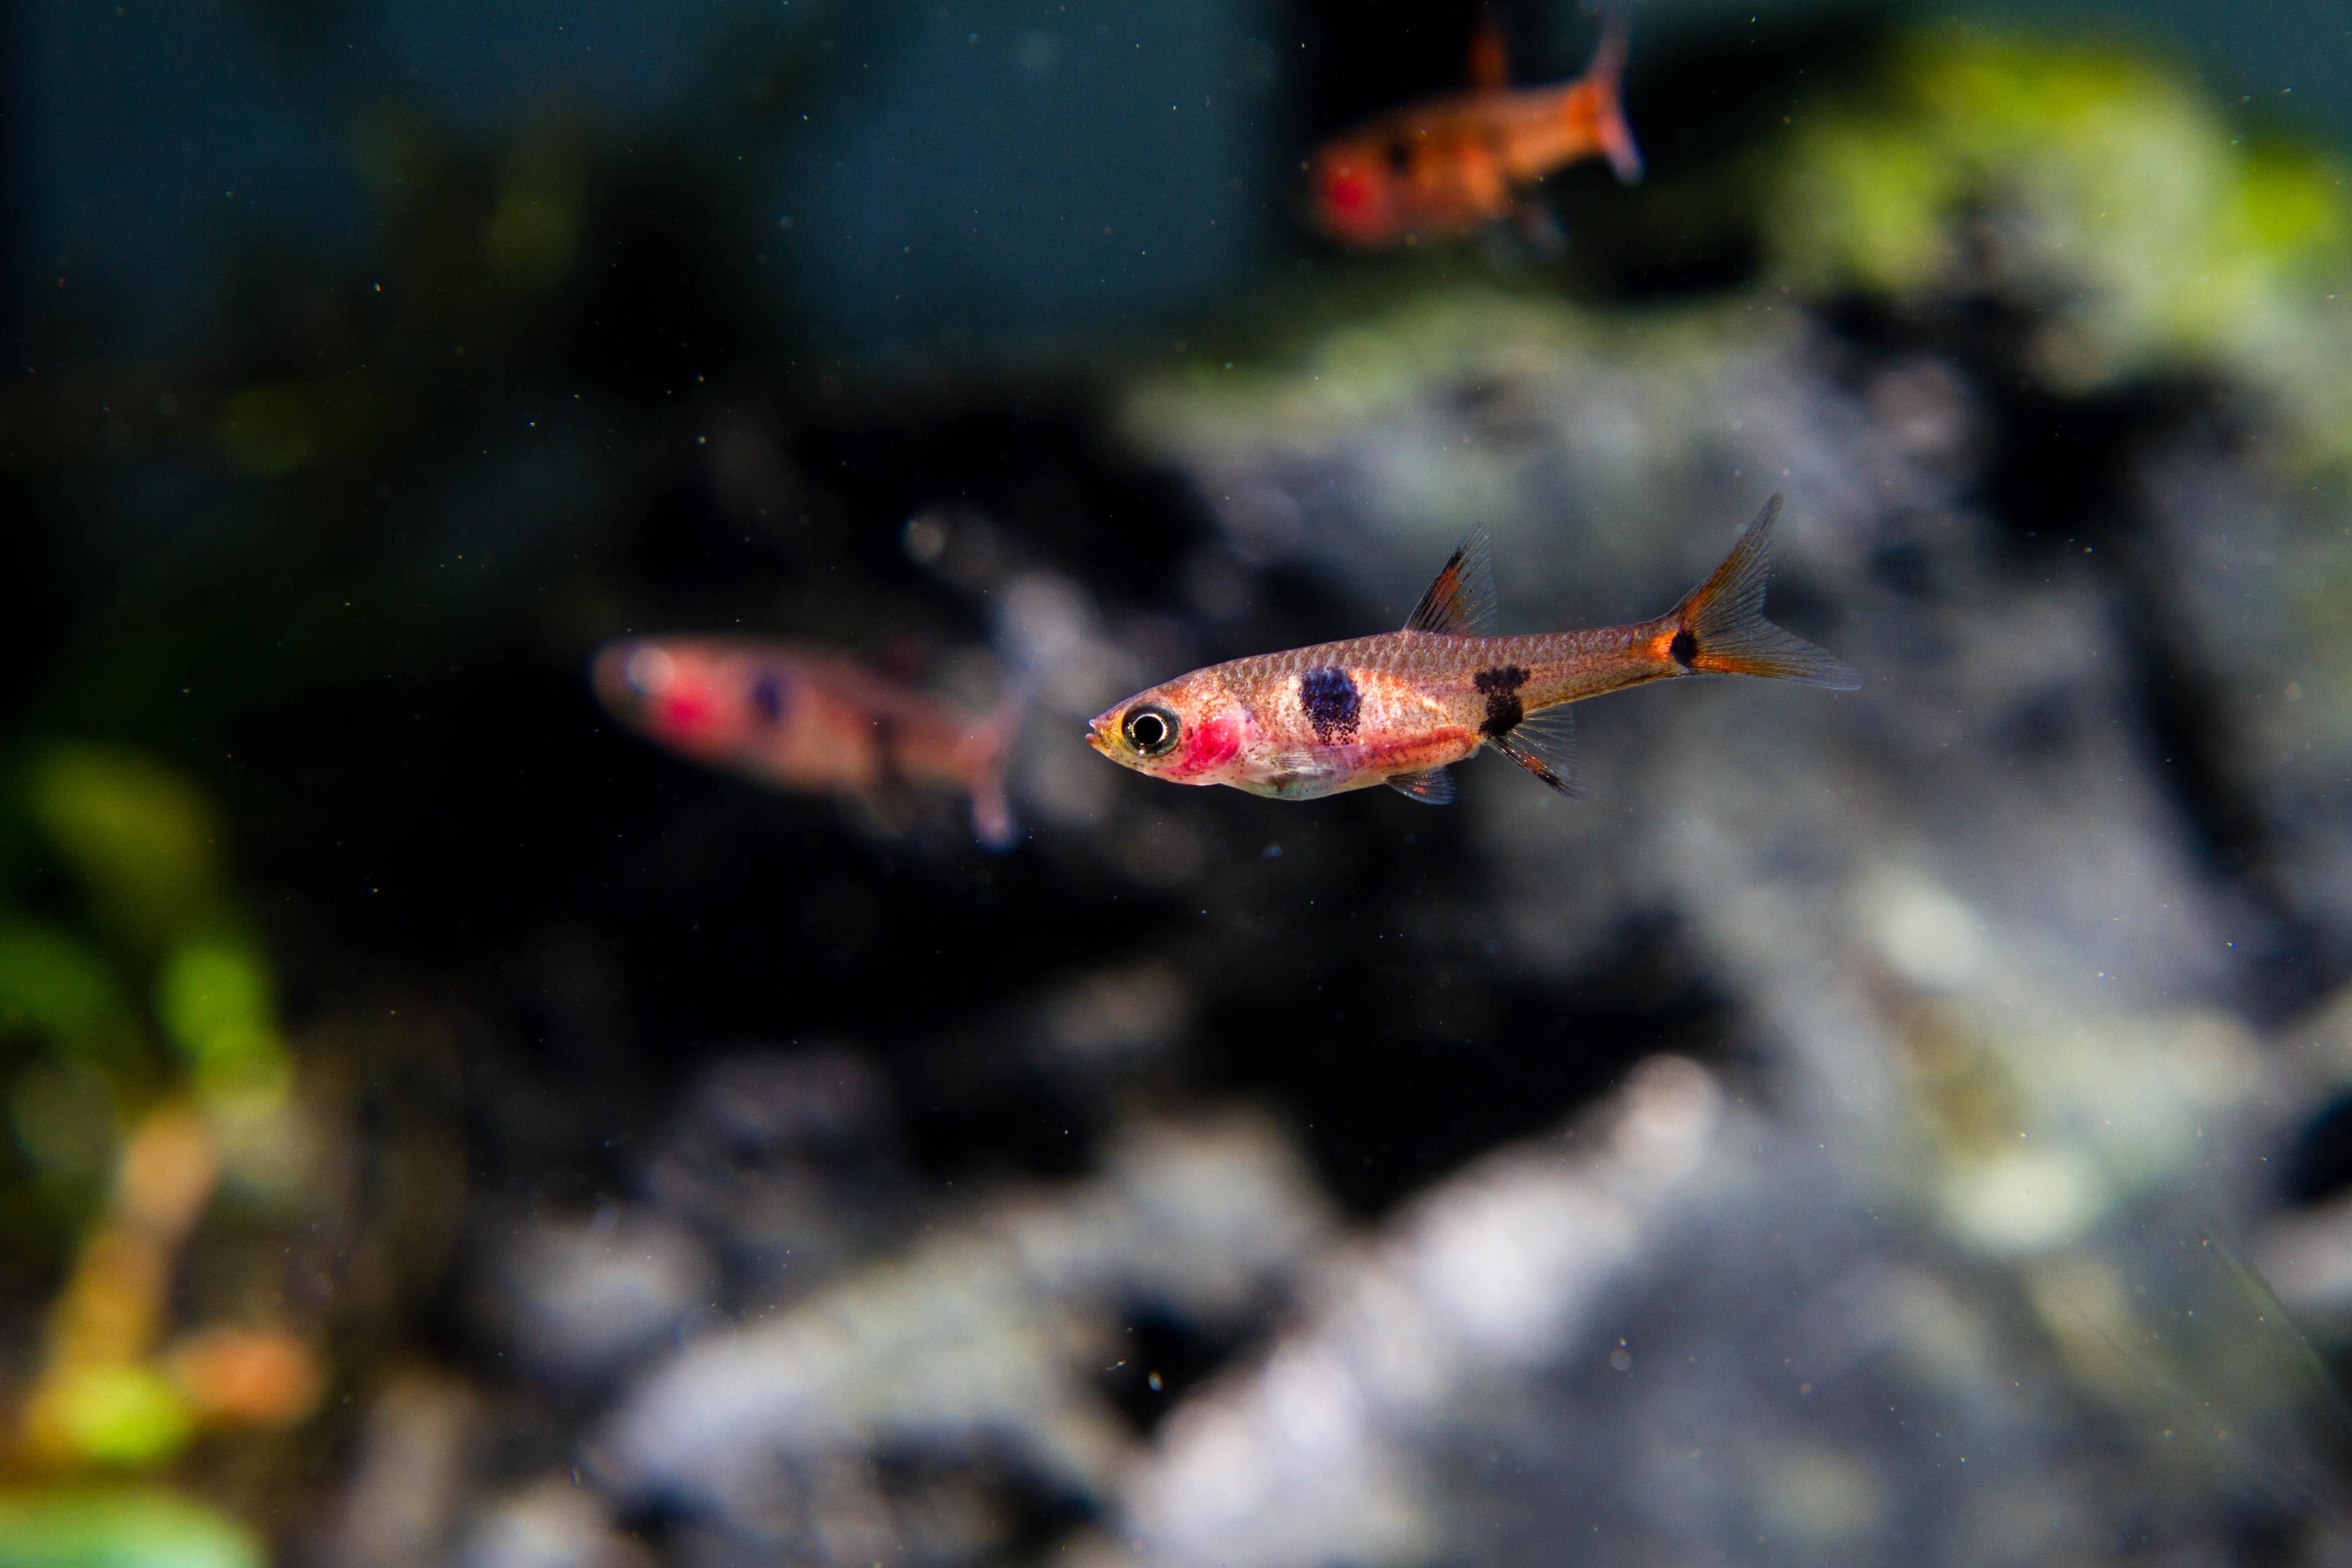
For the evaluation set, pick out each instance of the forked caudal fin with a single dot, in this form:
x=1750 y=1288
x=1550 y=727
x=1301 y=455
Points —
x=1603 y=79
x=1720 y=629
x=986 y=751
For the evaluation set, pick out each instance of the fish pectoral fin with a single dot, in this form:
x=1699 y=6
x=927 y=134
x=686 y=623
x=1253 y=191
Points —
x=1460 y=601
x=1432 y=787
x=1545 y=744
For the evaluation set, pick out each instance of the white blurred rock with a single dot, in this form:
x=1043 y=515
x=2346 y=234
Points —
x=580 y=1296
x=555 y=1524
x=985 y=1336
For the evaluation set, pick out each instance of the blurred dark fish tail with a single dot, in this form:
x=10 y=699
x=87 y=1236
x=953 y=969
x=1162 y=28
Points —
x=991 y=746
x=1720 y=629
x=1603 y=80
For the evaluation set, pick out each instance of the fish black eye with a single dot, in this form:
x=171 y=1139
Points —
x=1150 y=730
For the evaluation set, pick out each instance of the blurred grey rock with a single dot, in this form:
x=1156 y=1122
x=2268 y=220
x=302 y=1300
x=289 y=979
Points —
x=982 y=1338
x=2251 y=554
x=789 y=1161
x=1309 y=1457
x=1682 y=1332
x=577 y=1299
x=553 y=1524
x=412 y=1474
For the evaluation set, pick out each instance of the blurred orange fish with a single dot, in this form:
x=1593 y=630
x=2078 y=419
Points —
x=807 y=718
x=1452 y=165
x=1396 y=709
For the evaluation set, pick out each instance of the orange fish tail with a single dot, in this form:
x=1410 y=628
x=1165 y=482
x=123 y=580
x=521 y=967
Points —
x=1601 y=98
x=1719 y=627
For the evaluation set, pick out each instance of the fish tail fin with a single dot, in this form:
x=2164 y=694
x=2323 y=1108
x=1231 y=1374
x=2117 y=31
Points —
x=1719 y=627
x=988 y=751
x=1602 y=85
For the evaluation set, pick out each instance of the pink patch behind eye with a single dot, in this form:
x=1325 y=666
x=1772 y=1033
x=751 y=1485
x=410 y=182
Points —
x=684 y=715
x=1347 y=192
x=1211 y=744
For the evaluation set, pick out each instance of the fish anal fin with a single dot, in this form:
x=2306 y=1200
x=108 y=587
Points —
x=1545 y=745
x=1490 y=57
x=1432 y=786
x=1460 y=601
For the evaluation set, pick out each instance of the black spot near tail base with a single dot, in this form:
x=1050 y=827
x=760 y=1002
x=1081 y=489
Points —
x=1504 y=710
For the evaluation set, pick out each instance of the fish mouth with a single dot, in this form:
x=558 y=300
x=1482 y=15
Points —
x=1098 y=732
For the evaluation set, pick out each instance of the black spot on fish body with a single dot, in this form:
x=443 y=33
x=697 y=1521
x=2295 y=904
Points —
x=1685 y=648
x=1503 y=709
x=1331 y=704
x=768 y=699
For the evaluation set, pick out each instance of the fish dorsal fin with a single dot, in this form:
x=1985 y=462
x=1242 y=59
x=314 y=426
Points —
x=1460 y=601
x=1432 y=787
x=1545 y=745
x=1490 y=62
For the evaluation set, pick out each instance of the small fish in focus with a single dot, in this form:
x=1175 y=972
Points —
x=808 y=718
x=1451 y=166
x=1399 y=708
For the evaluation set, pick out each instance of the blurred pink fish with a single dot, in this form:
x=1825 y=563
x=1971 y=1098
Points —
x=808 y=718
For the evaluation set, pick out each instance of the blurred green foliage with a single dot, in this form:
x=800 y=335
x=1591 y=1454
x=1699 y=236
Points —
x=106 y=1529
x=129 y=977
x=2108 y=194
x=140 y=839
x=123 y=1414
